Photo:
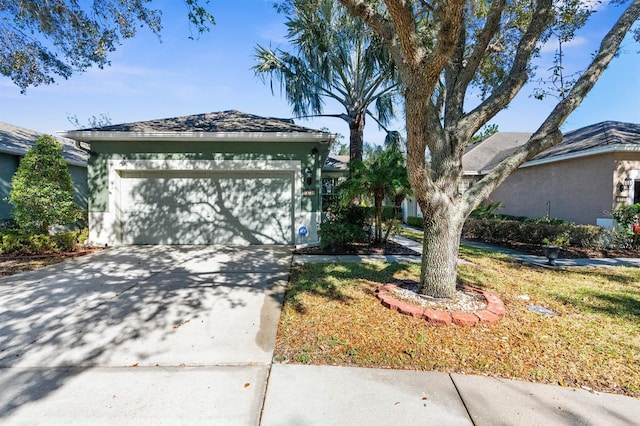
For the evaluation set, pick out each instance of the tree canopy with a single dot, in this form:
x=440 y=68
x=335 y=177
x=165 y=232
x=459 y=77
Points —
x=43 y=39
x=335 y=57
x=446 y=51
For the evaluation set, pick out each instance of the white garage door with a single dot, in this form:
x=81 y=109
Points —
x=201 y=207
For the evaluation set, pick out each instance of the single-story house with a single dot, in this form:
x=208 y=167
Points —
x=592 y=172
x=15 y=142
x=216 y=178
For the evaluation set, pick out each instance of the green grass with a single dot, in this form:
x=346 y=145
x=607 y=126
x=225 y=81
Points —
x=331 y=316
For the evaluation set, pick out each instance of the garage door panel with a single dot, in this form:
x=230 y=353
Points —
x=206 y=208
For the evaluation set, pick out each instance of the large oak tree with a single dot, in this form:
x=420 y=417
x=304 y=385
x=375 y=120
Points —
x=444 y=50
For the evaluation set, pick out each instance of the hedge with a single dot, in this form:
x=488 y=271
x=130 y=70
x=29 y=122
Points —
x=537 y=230
x=14 y=241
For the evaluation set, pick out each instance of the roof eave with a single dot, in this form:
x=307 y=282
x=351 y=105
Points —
x=94 y=136
x=586 y=153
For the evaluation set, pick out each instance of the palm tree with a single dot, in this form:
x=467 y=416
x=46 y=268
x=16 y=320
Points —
x=336 y=57
x=382 y=175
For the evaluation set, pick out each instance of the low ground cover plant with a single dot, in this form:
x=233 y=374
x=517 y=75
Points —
x=331 y=316
x=18 y=242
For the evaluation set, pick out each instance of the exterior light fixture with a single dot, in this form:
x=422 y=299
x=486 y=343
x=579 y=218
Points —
x=308 y=176
x=626 y=185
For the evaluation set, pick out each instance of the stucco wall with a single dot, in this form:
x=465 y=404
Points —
x=627 y=165
x=580 y=190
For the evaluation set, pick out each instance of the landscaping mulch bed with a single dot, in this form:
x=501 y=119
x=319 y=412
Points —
x=360 y=248
x=569 y=252
x=13 y=264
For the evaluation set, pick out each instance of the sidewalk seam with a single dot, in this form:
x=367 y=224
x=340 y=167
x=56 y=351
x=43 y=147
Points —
x=464 y=404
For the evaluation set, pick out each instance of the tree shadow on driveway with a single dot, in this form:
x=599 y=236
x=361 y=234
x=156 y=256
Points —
x=141 y=306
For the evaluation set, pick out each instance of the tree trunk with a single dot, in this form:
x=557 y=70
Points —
x=442 y=230
x=356 y=136
x=378 y=198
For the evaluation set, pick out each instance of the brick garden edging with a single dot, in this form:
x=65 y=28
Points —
x=490 y=315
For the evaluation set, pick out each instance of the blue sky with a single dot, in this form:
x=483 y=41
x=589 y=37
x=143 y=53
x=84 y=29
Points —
x=176 y=76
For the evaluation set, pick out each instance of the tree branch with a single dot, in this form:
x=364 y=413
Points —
x=500 y=98
x=548 y=134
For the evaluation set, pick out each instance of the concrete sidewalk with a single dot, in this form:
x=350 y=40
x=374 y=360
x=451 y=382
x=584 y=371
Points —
x=327 y=395
x=417 y=247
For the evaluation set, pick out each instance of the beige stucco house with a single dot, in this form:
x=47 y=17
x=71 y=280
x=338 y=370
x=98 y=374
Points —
x=593 y=171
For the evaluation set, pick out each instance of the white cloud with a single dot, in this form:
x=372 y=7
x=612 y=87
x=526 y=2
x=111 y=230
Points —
x=552 y=44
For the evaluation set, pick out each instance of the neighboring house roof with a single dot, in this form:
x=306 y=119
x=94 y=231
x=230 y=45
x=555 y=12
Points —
x=597 y=138
x=484 y=156
x=16 y=140
x=336 y=163
x=607 y=136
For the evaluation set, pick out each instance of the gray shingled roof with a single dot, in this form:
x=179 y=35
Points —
x=225 y=121
x=336 y=163
x=485 y=155
x=17 y=140
x=601 y=135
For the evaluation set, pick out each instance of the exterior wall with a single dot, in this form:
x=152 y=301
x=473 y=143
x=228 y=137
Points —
x=8 y=166
x=80 y=189
x=579 y=190
x=627 y=164
x=113 y=156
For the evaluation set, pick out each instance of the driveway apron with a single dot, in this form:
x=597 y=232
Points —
x=148 y=334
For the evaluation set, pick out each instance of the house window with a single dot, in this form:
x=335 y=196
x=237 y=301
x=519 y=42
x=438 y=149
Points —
x=636 y=191
x=330 y=194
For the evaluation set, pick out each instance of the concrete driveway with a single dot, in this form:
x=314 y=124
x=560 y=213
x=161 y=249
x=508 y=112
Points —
x=140 y=335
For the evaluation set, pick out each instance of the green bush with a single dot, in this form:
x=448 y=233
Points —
x=536 y=231
x=391 y=212
x=349 y=224
x=42 y=190
x=590 y=236
x=339 y=234
x=20 y=242
x=10 y=243
x=66 y=241
x=415 y=221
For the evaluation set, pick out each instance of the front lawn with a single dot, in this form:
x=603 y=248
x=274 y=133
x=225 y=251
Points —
x=331 y=316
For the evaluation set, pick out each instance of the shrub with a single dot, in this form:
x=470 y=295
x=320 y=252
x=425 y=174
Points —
x=10 y=243
x=339 y=234
x=627 y=215
x=537 y=231
x=14 y=241
x=415 y=221
x=66 y=241
x=349 y=224
x=41 y=189
x=590 y=236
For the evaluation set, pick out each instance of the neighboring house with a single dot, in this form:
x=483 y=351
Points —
x=218 y=178
x=334 y=172
x=15 y=142
x=593 y=171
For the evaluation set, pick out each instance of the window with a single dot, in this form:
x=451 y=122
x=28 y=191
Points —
x=636 y=191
